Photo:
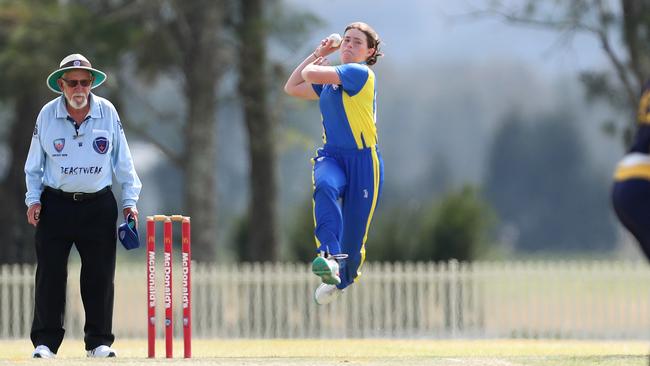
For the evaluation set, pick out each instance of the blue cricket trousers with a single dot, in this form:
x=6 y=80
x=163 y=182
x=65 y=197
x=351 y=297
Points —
x=347 y=186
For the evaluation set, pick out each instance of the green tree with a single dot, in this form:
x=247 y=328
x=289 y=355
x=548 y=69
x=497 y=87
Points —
x=393 y=234
x=201 y=41
x=262 y=243
x=540 y=182
x=186 y=39
x=605 y=21
x=457 y=227
x=257 y=23
x=301 y=245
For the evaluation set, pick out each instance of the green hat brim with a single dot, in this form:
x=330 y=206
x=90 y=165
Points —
x=98 y=77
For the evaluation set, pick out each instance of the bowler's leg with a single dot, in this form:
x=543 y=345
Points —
x=329 y=182
x=361 y=199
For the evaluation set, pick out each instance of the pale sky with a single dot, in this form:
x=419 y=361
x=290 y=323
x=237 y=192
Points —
x=441 y=30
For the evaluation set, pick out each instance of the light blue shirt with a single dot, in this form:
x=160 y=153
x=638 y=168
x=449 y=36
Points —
x=80 y=159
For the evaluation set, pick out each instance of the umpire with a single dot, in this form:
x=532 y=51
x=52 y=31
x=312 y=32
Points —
x=77 y=143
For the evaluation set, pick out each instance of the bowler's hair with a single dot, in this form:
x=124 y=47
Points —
x=372 y=40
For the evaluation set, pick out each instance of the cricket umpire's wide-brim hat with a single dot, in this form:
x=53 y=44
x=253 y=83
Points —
x=71 y=62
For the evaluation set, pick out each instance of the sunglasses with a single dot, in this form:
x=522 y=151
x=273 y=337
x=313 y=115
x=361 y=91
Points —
x=73 y=83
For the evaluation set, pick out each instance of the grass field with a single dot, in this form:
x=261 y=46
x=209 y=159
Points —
x=329 y=352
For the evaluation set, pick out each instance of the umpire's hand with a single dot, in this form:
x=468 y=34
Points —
x=133 y=212
x=34 y=214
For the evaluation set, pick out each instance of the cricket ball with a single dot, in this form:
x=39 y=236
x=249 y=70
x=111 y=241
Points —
x=336 y=39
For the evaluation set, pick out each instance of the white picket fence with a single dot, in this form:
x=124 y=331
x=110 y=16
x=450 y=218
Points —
x=606 y=300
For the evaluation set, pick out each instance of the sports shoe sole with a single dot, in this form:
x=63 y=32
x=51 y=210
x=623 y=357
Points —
x=110 y=355
x=321 y=269
x=326 y=299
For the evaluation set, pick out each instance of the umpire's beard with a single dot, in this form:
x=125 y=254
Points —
x=72 y=102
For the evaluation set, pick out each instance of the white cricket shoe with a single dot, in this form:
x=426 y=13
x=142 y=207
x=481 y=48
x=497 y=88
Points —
x=42 y=351
x=327 y=269
x=101 y=352
x=325 y=293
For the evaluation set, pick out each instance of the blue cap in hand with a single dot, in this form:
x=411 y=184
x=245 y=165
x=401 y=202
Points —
x=128 y=234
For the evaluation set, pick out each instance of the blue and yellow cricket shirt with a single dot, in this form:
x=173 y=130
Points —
x=349 y=110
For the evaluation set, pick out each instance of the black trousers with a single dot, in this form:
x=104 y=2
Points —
x=90 y=225
x=631 y=201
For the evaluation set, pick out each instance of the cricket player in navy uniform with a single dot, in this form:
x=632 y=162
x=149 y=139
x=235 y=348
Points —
x=348 y=169
x=77 y=145
x=631 y=191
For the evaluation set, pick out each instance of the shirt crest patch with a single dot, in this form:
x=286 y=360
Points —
x=100 y=145
x=59 y=144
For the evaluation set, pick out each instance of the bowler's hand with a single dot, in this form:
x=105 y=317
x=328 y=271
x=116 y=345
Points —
x=325 y=48
x=34 y=214
x=134 y=212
